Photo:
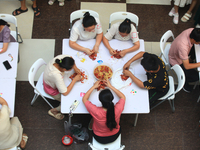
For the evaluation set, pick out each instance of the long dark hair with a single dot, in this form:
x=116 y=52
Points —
x=125 y=26
x=66 y=63
x=106 y=97
x=88 y=20
x=2 y=22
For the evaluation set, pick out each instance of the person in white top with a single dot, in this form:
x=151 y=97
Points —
x=122 y=31
x=85 y=29
x=53 y=82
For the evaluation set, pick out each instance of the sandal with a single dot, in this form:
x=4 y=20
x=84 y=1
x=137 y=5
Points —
x=25 y=139
x=36 y=11
x=176 y=18
x=58 y=116
x=51 y=2
x=61 y=3
x=19 y=11
x=186 y=17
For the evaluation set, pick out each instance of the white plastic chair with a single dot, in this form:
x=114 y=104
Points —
x=116 y=145
x=171 y=93
x=165 y=49
x=79 y=14
x=14 y=148
x=38 y=89
x=12 y=19
x=122 y=16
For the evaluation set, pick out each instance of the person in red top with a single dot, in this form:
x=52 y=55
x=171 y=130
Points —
x=106 y=128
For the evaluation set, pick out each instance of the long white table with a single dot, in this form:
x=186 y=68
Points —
x=7 y=91
x=135 y=102
x=11 y=55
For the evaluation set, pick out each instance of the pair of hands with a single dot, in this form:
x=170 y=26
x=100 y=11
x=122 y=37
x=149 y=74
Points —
x=78 y=76
x=126 y=71
x=106 y=82
x=94 y=50
x=122 y=53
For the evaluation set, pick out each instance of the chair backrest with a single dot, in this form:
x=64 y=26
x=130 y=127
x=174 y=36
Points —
x=33 y=70
x=10 y=19
x=180 y=76
x=165 y=50
x=122 y=16
x=79 y=14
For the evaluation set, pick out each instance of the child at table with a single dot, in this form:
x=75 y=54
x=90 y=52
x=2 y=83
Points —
x=5 y=36
x=86 y=29
x=53 y=82
x=122 y=31
x=157 y=83
x=106 y=128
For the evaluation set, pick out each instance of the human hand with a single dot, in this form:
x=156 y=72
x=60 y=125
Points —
x=78 y=71
x=126 y=66
x=88 y=51
x=3 y=101
x=122 y=53
x=107 y=83
x=96 y=84
x=77 y=77
x=127 y=73
x=95 y=48
x=112 y=51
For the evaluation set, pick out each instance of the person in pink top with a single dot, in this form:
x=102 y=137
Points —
x=182 y=53
x=106 y=128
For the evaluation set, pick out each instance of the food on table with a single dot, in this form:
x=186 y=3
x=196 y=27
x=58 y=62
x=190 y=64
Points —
x=117 y=55
x=123 y=77
x=93 y=56
x=103 y=72
x=83 y=75
x=102 y=86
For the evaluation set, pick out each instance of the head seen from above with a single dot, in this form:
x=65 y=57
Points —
x=150 y=63
x=106 y=97
x=89 y=22
x=65 y=64
x=195 y=36
x=125 y=27
x=3 y=23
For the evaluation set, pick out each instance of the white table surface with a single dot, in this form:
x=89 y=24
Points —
x=7 y=91
x=135 y=103
x=13 y=50
x=197 y=52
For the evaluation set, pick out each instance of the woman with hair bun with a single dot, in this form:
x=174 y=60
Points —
x=85 y=29
x=53 y=82
x=122 y=31
x=5 y=36
x=106 y=128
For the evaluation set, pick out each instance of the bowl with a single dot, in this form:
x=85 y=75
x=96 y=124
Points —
x=103 y=71
x=67 y=139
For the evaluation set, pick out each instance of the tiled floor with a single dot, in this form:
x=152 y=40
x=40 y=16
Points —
x=159 y=130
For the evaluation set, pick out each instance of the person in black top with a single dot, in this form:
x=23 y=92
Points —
x=157 y=83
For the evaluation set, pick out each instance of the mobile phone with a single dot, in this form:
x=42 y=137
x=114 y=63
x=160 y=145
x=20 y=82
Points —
x=7 y=65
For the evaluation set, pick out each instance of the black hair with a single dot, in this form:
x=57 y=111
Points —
x=195 y=34
x=106 y=97
x=88 y=20
x=66 y=63
x=150 y=63
x=2 y=22
x=125 y=26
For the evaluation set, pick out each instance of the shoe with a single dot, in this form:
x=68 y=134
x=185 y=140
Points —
x=36 y=11
x=176 y=18
x=90 y=125
x=197 y=26
x=25 y=139
x=19 y=11
x=186 y=17
x=50 y=2
x=187 y=88
x=61 y=3
x=58 y=116
x=172 y=12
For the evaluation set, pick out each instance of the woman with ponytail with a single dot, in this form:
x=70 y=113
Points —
x=106 y=128
x=85 y=29
x=53 y=82
x=122 y=31
x=5 y=36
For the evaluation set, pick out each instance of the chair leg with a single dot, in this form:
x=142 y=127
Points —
x=34 y=99
x=47 y=102
x=172 y=105
x=198 y=99
x=136 y=118
x=157 y=104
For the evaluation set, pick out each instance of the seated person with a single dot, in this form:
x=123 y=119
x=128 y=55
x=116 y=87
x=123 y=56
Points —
x=182 y=53
x=86 y=29
x=106 y=128
x=122 y=31
x=11 y=131
x=5 y=36
x=53 y=82
x=157 y=83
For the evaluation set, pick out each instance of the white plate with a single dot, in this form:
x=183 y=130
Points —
x=117 y=81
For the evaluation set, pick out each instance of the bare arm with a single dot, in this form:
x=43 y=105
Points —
x=88 y=93
x=4 y=48
x=76 y=46
x=189 y=65
x=98 y=41
x=137 y=81
x=131 y=49
x=107 y=45
x=3 y=101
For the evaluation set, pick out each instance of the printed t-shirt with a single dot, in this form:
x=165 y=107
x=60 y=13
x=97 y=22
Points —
x=180 y=48
x=54 y=78
x=158 y=81
x=78 y=32
x=99 y=115
x=114 y=32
